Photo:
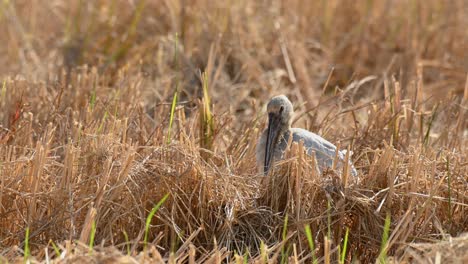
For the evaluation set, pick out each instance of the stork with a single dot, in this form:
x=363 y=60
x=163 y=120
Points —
x=274 y=140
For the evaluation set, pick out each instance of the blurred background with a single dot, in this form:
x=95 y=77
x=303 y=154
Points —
x=255 y=48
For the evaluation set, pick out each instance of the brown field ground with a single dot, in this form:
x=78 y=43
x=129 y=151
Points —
x=106 y=107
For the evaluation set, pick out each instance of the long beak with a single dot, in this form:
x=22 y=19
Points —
x=272 y=138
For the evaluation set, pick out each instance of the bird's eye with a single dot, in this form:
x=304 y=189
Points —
x=281 y=109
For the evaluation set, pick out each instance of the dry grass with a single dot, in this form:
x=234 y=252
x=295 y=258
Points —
x=85 y=98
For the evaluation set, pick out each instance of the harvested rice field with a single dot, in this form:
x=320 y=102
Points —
x=129 y=128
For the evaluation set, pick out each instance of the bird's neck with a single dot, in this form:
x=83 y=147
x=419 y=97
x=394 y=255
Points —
x=284 y=132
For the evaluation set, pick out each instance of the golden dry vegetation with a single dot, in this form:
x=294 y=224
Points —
x=108 y=106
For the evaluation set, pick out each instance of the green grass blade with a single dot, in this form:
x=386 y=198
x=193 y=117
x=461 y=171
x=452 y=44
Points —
x=429 y=126
x=176 y=92
x=310 y=239
x=263 y=252
x=91 y=237
x=171 y=117
x=284 y=253
x=136 y=18
x=345 y=246
x=123 y=49
x=56 y=249
x=92 y=100
x=383 y=247
x=176 y=51
x=27 y=252
x=102 y=122
x=150 y=217
x=127 y=241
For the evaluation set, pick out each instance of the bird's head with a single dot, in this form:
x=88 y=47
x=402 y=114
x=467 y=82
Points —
x=280 y=112
x=280 y=108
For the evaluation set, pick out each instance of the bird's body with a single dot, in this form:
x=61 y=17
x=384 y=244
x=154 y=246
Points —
x=274 y=140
